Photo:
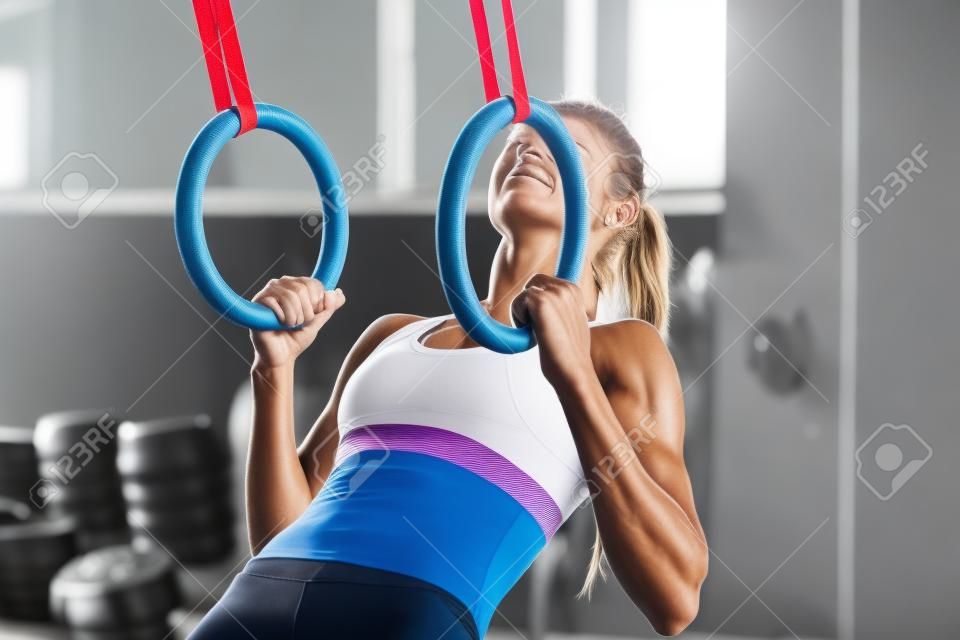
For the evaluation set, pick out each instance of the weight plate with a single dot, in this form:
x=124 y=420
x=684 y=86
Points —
x=91 y=429
x=95 y=518
x=16 y=446
x=163 y=448
x=115 y=588
x=21 y=543
x=201 y=548
x=184 y=489
x=34 y=608
x=184 y=518
x=157 y=631
x=93 y=494
x=80 y=466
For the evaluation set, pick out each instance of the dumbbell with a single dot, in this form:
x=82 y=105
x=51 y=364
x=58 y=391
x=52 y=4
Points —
x=31 y=553
x=116 y=592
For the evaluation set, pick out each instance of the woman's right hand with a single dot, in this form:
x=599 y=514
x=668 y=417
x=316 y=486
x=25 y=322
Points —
x=296 y=301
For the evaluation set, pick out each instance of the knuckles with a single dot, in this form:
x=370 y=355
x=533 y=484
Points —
x=548 y=295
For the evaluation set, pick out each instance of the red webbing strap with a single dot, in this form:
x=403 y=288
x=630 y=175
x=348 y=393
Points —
x=491 y=87
x=520 y=95
x=221 y=51
x=488 y=68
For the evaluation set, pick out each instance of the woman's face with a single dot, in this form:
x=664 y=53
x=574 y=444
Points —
x=525 y=189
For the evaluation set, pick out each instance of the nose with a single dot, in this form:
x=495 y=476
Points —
x=527 y=148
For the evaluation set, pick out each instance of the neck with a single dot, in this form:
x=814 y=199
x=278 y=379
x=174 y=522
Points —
x=516 y=262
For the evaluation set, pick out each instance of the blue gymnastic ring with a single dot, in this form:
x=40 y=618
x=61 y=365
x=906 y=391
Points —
x=458 y=176
x=188 y=214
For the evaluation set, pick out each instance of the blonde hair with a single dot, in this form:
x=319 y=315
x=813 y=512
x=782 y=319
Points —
x=638 y=260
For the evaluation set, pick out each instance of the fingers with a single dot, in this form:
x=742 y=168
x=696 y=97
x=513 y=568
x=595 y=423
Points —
x=332 y=300
x=302 y=296
x=542 y=280
x=529 y=301
x=295 y=300
x=522 y=306
x=274 y=305
x=542 y=291
x=552 y=283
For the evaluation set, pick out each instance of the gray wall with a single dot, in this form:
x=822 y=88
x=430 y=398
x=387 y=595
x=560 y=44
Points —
x=774 y=458
x=126 y=82
x=130 y=85
x=908 y=555
x=104 y=316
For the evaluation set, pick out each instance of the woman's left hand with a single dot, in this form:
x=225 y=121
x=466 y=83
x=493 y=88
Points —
x=554 y=309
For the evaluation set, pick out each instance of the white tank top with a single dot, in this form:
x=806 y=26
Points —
x=455 y=467
x=502 y=402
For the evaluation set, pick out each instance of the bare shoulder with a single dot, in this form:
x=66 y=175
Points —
x=384 y=326
x=381 y=329
x=641 y=381
x=631 y=352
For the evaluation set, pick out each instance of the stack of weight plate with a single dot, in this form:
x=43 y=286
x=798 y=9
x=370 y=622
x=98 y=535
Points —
x=18 y=463
x=31 y=553
x=116 y=592
x=177 y=487
x=77 y=453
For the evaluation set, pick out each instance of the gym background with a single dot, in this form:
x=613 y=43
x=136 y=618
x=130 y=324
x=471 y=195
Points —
x=805 y=154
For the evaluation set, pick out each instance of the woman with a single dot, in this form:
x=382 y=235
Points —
x=440 y=469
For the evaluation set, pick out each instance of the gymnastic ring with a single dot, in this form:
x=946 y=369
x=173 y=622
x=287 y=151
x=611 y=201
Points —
x=188 y=213
x=451 y=216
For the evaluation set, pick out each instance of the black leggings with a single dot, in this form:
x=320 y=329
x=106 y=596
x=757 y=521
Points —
x=299 y=599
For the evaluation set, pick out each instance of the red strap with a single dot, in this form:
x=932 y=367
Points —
x=221 y=50
x=485 y=50
x=520 y=95
x=487 y=66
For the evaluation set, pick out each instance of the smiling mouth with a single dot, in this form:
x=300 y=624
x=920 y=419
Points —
x=528 y=170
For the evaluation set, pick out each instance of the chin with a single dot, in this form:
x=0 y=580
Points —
x=528 y=201
x=523 y=202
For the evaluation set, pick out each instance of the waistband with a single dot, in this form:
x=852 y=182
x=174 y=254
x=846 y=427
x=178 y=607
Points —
x=304 y=570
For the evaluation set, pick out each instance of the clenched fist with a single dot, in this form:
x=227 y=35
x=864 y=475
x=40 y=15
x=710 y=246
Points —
x=555 y=311
x=300 y=302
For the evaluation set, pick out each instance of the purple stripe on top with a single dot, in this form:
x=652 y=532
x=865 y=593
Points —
x=463 y=452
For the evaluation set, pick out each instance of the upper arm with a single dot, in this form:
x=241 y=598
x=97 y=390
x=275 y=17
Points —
x=317 y=450
x=644 y=389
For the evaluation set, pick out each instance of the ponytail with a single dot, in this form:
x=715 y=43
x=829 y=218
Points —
x=645 y=268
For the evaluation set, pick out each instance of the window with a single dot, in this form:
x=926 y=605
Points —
x=677 y=89
x=14 y=87
x=674 y=74
x=396 y=93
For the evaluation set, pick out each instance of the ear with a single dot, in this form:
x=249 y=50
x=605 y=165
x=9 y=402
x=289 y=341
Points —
x=627 y=211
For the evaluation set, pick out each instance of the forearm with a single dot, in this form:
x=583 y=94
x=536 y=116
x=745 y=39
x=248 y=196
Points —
x=654 y=548
x=276 y=487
